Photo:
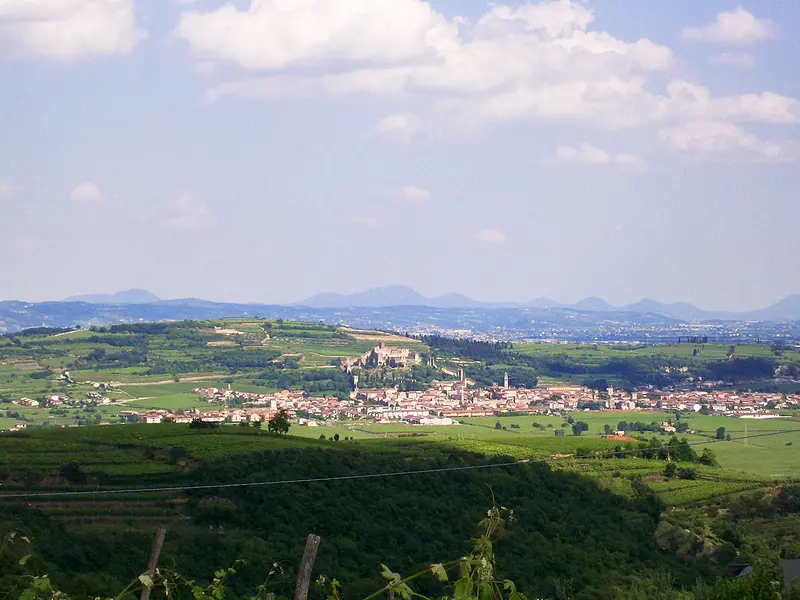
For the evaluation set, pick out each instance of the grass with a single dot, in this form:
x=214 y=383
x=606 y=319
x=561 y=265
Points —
x=7 y=423
x=170 y=402
x=165 y=389
x=765 y=455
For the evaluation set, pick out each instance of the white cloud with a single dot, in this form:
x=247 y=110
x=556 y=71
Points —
x=736 y=60
x=721 y=139
x=737 y=26
x=87 y=193
x=540 y=54
x=368 y=222
x=490 y=236
x=540 y=61
x=412 y=193
x=585 y=153
x=187 y=213
x=276 y=34
x=67 y=29
x=689 y=101
x=399 y=126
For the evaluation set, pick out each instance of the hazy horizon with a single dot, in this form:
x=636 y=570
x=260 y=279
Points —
x=506 y=152
x=299 y=301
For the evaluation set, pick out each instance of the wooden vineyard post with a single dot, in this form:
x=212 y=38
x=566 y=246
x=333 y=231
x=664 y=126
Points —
x=306 y=564
x=153 y=562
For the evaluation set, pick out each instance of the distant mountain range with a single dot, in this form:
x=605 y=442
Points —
x=397 y=295
x=400 y=308
x=126 y=297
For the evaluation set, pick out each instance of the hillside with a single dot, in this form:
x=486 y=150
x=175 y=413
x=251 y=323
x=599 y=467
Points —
x=569 y=529
x=593 y=527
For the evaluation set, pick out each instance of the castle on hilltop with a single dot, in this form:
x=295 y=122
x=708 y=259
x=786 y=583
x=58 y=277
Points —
x=383 y=355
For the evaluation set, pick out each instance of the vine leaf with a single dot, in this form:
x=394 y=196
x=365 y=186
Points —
x=439 y=571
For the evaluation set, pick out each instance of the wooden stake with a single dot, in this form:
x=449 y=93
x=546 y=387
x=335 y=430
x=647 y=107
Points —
x=306 y=564
x=153 y=562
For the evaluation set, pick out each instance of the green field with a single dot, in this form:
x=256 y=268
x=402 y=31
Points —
x=156 y=365
x=170 y=402
x=765 y=454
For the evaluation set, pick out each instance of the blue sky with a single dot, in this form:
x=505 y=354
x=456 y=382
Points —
x=265 y=150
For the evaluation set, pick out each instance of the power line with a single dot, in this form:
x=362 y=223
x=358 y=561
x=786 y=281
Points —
x=214 y=486
x=219 y=486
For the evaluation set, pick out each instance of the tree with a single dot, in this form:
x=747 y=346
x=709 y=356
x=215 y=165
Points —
x=559 y=432
x=72 y=472
x=579 y=428
x=687 y=473
x=279 y=423
x=607 y=429
x=669 y=470
x=708 y=457
x=335 y=437
x=720 y=433
x=498 y=425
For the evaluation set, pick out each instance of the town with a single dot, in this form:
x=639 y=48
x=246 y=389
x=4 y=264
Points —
x=444 y=403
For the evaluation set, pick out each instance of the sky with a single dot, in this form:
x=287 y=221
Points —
x=266 y=150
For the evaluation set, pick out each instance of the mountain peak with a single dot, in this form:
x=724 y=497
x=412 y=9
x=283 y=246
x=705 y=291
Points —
x=593 y=303
x=133 y=296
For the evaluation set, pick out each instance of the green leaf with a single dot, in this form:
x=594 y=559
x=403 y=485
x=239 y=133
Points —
x=28 y=594
x=42 y=584
x=405 y=592
x=387 y=573
x=462 y=589
x=25 y=559
x=146 y=580
x=439 y=571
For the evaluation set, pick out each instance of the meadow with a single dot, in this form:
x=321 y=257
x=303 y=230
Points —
x=768 y=447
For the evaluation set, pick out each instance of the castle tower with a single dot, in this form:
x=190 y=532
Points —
x=505 y=380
